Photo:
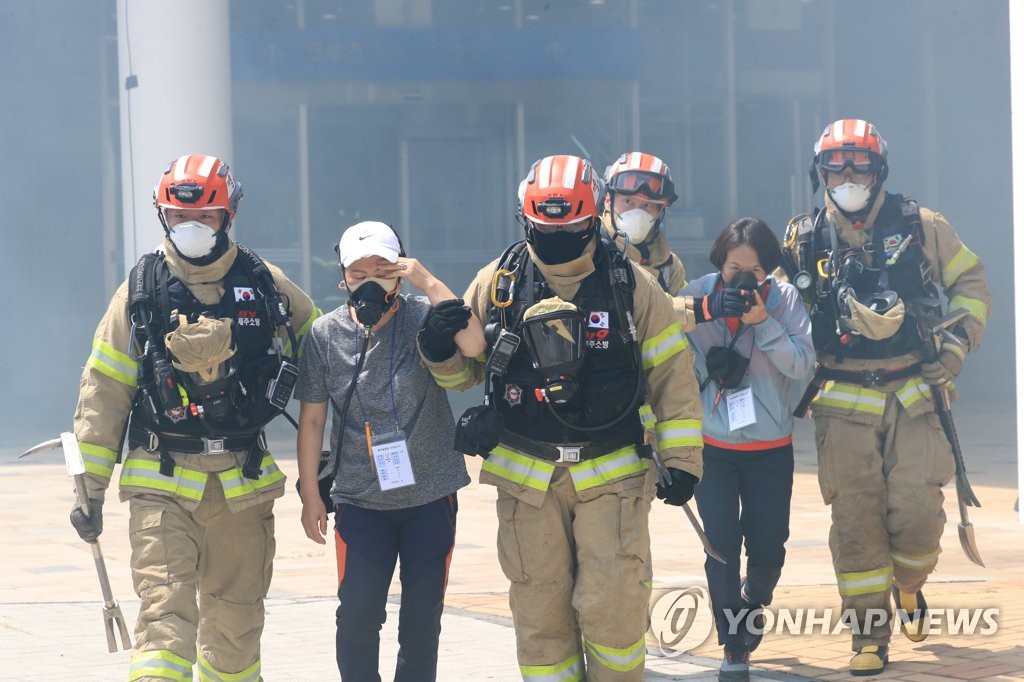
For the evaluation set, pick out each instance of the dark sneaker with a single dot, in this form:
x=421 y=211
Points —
x=735 y=665
x=754 y=630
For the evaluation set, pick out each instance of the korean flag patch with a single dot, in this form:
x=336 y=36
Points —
x=598 y=320
x=891 y=243
x=244 y=294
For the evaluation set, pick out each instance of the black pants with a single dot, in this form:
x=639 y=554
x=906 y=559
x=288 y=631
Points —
x=744 y=498
x=368 y=544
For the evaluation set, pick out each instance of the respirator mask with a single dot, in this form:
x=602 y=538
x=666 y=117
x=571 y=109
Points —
x=636 y=223
x=370 y=298
x=851 y=197
x=193 y=239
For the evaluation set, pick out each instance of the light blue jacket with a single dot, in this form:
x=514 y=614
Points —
x=781 y=363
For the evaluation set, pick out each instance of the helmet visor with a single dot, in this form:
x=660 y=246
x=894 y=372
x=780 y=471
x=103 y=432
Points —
x=653 y=185
x=859 y=160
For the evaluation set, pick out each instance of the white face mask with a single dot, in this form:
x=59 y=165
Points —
x=636 y=223
x=388 y=285
x=850 y=197
x=193 y=239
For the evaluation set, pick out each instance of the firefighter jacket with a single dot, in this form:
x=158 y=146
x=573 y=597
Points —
x=109 y=388
x=671 y=390
x=665 y=266
x=953 y=270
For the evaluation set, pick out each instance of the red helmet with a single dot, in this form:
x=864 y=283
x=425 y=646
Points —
x=197 y=181
x=850 y=142
x=637 y=172
x=560 y=190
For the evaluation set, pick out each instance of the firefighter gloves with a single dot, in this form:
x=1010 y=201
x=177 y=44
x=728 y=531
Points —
x=723 y=303
x=680 y=490
x=944 y=370
x=88 y=527
x=443 y=322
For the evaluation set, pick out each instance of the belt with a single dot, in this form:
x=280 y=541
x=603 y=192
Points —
x=558 y=453
x=144 y=438
x=868 y=378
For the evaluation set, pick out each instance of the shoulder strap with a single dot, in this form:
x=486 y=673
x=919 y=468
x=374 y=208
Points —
x=260 y=273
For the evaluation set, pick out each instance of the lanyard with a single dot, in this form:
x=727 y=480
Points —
x=391 y=376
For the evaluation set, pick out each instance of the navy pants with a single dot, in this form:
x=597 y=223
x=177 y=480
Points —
x=744 y=498
x=368 y=543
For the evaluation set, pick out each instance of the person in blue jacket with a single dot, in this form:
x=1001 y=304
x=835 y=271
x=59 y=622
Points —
x=753 y=371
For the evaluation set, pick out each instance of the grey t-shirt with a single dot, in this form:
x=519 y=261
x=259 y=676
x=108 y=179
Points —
x=392 y=368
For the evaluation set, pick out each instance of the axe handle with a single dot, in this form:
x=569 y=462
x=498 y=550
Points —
x=942 y=409
x=97 y=553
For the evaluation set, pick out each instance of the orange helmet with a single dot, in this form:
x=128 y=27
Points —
x=197 y=181
x=850 y=142
x=560 y=190
x=637 y=172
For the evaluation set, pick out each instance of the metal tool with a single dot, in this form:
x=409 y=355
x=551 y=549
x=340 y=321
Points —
x=665 y=479
x=76 y=469
x=965 y=496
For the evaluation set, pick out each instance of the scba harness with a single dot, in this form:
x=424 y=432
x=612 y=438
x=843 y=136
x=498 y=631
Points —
x=601 y=416
x=173 y=411
x=827 y=272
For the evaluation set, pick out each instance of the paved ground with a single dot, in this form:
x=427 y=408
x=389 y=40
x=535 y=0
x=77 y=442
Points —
x=51 y=626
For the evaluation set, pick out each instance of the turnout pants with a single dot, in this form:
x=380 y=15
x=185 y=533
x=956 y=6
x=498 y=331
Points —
x=744 y=498
x=227 y=559
x=368 y=542
x=883 y=476
x=580 y=575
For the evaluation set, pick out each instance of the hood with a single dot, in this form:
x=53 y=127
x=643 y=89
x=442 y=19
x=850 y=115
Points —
x=206 y=282
x=565 y=278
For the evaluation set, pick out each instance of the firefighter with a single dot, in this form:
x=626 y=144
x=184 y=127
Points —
x=578 y=338
x=196 y=353
x=872 y=265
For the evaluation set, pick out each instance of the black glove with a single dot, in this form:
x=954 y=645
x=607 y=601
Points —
x=444 y=321
x=479 y=430
x=722 y=303
x=88 y=527
x=680 y=490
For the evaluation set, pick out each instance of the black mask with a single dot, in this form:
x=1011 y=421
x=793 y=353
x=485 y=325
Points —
x=560 y=246
x=370 y=302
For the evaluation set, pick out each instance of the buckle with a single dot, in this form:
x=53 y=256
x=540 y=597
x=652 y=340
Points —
x=568 y=453
x=154 y=442
x=873 y=378
x=214 y=446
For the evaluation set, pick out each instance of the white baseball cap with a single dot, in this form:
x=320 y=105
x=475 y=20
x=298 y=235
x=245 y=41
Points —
x=368 y=238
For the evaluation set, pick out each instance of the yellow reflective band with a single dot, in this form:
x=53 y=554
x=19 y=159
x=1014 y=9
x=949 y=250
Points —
x=522 y=469
x=160 y=663
x=976 y=308
x=111 y=362
x=647 y=417
x=236 y=485
x=569 y=670
x=144 y=473
x=916 y=561
x=452 y=380
x=852 y=397
x=301 y=332
x=865 y=582
x=657 y=350
x=621 y=660
x=915 y=389
x=607 y=468
x=207 y=673
x=954 y=348
x=98 y=459
x=680 y=433
x=963 y=261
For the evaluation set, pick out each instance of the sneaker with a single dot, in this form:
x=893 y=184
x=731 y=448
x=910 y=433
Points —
x=754 y=630
x=869 y=660
x=735 y=665
x=911 y=609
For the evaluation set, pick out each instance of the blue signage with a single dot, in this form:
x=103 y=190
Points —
x=376 y=54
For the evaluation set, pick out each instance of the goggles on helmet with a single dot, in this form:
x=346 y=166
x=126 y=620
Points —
x=653 y=185
x=860 y=161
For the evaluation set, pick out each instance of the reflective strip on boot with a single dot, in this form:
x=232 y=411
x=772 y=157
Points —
x=864 y=582
x=160 y=663
x=237 y=485
x=207 y=673
x=144 y=473
x=621 y=660
x=569 y=670
x=522 y=469
x=606 y=468
x=852 y=397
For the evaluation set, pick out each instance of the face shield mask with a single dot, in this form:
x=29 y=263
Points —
x=636 y=223
x=370 y=298
x=554 y=332
x=193 y=239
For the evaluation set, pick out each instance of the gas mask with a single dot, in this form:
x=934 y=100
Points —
x=636 y=223
x=850 y=197
x=371 y=298
x=193 y=239
x=560 y=246
x=554 y=332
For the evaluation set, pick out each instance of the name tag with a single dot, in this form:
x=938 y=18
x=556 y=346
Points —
x=741 y=408
x=391 y=459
